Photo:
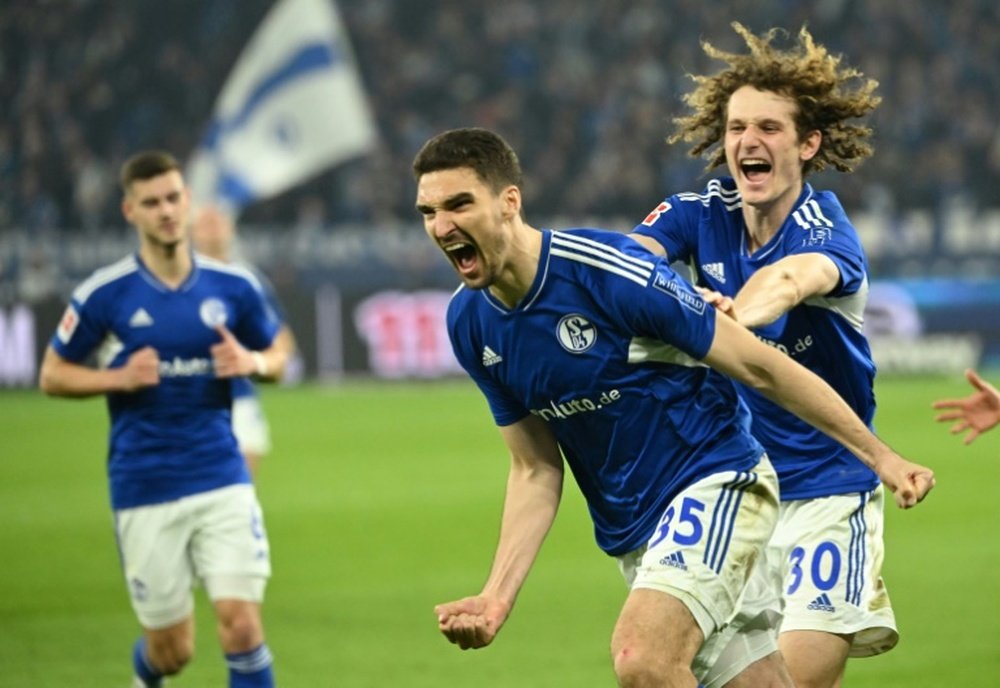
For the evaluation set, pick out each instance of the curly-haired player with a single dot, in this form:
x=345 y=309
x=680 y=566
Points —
x=783 y=259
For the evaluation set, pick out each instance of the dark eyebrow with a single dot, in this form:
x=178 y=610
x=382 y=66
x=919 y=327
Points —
x=449 y=203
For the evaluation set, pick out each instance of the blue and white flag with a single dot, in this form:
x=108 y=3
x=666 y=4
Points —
x=293 y=106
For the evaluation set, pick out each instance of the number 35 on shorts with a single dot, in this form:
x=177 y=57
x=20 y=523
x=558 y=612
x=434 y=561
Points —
x=688 y=530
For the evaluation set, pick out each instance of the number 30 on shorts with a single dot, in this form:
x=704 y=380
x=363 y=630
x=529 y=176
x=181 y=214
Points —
x=689 y=529
x=824 y=566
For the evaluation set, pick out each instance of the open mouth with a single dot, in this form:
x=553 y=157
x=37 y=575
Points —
x=463 y=255
x=755 y=169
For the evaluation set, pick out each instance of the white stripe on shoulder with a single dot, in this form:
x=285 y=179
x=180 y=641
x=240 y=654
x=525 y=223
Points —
x=105 y=275
x=730 y=197
x=809 y=215
x=207 y=263
x=598 y=255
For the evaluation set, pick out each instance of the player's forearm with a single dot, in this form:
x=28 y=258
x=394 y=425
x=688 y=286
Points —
x=64 y=379
x=766 y=296
x=809 y=397
x=530 y=507
x=739 y=354
x=270 y=363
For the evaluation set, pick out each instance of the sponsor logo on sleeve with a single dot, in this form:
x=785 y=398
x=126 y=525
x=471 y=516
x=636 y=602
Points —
x=67 y=325
x=654 y=215
x=672 y=287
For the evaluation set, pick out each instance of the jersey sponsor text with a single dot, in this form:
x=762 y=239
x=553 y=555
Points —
x=564 y=409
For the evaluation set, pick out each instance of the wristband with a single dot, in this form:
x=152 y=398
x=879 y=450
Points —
x=260 y=363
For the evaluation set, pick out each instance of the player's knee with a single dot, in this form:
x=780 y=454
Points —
x=240 y=631
x=170 y=654
x=636 y=668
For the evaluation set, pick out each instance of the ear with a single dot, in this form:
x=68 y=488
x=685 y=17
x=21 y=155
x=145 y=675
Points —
x=510 y=199
x=127 y=207
x=810 y=145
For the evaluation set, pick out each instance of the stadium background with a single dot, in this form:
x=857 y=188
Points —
x=584 y=91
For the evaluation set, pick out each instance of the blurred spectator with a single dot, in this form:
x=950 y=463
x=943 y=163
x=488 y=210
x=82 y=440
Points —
x=579 y=88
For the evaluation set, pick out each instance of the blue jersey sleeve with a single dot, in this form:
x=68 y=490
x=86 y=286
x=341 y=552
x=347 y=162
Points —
x=78 y=334
x=270 y=294
x=661 y=306
x=822 y=227
x=87 y=321
x=256 y=324
x=673 y=226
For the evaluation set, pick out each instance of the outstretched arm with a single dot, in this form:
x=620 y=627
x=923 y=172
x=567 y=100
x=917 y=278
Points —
x=738 y=353
x=534 y=488
x=977 y=413
x=774 y=290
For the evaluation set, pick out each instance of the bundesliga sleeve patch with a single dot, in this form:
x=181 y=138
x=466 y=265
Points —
x=67 y=325
x=654 y=214
x=672 y=287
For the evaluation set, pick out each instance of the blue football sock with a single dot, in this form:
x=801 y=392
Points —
x=250 y=669
x=143 y=669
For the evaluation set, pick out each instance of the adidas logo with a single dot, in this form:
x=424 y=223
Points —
x=822 y=604
x=140 y=319
x=716 y=270
x=676 y=560
x=490 y=357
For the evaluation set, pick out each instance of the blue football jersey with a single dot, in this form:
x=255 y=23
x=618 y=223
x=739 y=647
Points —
x=605 y=348
x=244 y=386
x=172 y=439
x=822 y=333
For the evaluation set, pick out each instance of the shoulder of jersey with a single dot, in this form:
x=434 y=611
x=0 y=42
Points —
x=722 y=191
x=104 y=276
x=610 y=254
x=235 y=269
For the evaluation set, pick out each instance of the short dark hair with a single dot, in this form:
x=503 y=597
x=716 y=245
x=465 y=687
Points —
x=146 y=165
x=484 y=151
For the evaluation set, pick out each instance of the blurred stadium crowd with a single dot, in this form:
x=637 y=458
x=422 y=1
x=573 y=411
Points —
x=585 y=90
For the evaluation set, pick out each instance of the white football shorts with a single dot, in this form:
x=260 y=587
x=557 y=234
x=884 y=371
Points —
x=214 y=538
x=253 y=434
x=829 y=552
x=704 y=552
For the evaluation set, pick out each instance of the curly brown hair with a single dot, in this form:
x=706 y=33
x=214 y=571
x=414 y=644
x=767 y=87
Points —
x=808 y=74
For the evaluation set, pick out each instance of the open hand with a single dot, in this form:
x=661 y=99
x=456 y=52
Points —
x=976 y=413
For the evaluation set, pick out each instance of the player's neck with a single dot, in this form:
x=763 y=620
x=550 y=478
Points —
x=170 y=264
x=763 y=221
x=520 y=265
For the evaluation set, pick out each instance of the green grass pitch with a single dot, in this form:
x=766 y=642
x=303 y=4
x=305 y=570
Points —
x=383 y=499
